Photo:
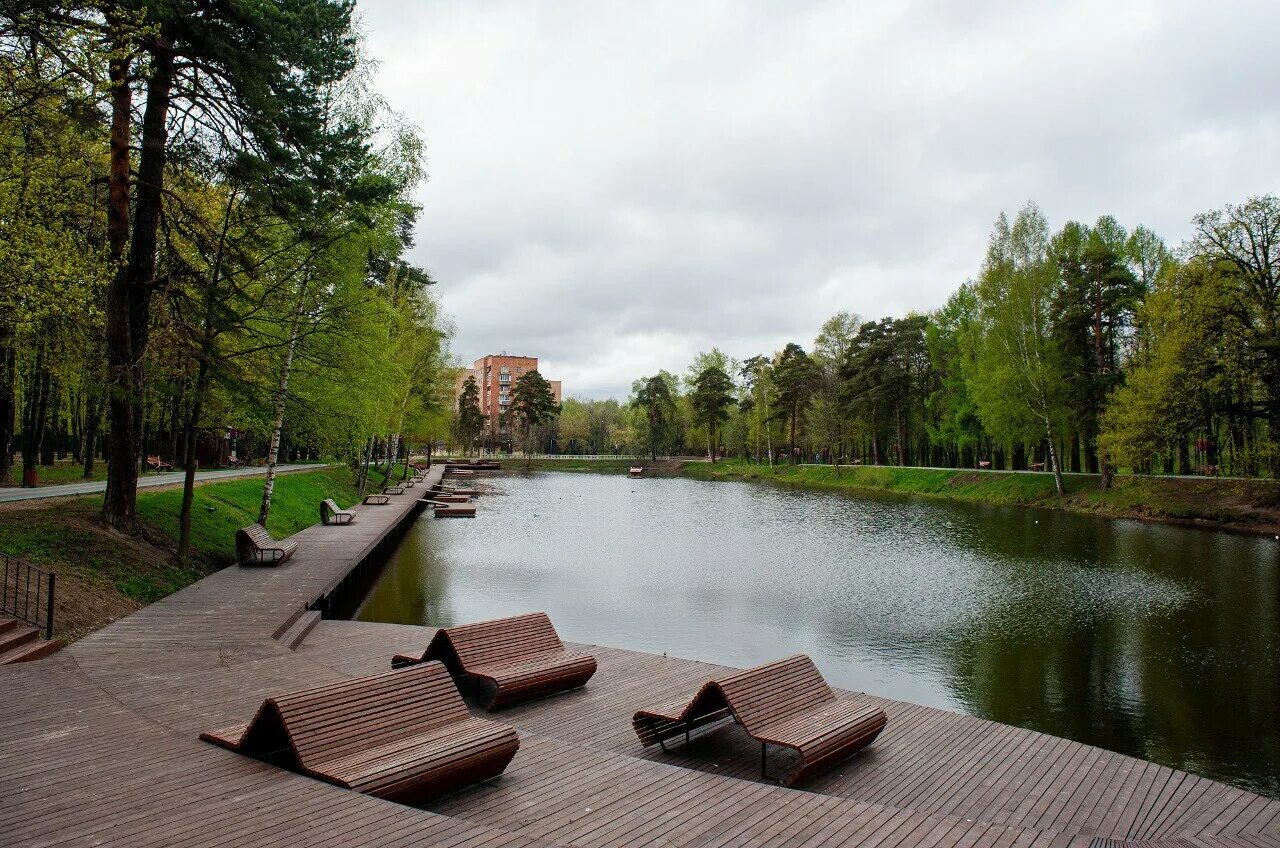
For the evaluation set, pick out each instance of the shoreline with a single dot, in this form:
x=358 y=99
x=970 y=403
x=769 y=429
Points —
x=135 y=695
x=1247 y=507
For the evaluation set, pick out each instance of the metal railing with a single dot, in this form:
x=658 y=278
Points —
x=27 y=593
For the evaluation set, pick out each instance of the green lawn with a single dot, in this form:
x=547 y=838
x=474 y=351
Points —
x=1240 y=502
x=66 y=537
x=62 y=471
x=219 y=509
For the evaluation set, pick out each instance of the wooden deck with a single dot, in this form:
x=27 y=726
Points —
x=98 y=745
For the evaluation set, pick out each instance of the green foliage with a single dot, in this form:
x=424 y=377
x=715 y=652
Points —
x=655 y=400
x=711 y=399
x=469 y=421
x=1019 y=372
x=532 y=403
x=794 y=378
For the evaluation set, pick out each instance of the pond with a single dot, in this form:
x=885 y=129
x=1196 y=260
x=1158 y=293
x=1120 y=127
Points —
x=1156 y=641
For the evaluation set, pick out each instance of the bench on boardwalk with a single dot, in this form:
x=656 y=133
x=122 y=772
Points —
x=402 y=735
x=522 y=657
x=255 y=546
x=376 y=499
x=785 y=703
x=331 y=513
x=393 y=490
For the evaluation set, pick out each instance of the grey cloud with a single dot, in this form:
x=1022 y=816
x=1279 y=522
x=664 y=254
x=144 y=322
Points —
x=615 y=187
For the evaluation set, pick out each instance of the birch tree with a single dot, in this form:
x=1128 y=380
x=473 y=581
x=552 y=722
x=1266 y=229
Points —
x=1017 y=376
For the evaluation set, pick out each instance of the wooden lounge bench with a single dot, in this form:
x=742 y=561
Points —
x=522 y=657
x=402 y=735
x=255 y=546
x=331 y=513
x=377 y=499
x=784 y=703
x=393 y=490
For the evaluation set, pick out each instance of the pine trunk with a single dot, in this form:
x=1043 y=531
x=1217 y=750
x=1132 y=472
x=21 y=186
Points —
x=128 y=309
x=8 y=404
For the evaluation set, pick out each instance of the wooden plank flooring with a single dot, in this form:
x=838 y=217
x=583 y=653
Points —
x=98 y=745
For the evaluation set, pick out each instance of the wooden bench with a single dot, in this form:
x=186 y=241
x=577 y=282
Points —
x=155 y=463
x=377 y=499
x=402 y=735
x=255 y=546
x=522 y=657
x=785 y=703
x=331 y=513
x=393 y=490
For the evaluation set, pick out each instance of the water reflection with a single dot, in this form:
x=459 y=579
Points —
x=1155 y=641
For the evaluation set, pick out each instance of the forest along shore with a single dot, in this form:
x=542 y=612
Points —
x=1246 y=506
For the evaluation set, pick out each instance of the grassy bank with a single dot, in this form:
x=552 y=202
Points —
x=103 y=575
x=1249 y=505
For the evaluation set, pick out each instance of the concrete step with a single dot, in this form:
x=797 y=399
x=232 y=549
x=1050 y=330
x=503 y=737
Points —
x=33 y=650
x=298 y=631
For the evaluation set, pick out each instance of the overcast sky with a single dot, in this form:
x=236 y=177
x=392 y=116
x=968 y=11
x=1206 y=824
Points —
x=614 y=187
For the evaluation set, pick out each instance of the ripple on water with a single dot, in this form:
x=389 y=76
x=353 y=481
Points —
x=1155 y=641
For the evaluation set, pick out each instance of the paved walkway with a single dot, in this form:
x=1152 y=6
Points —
x=145 y=481
x=99 y=746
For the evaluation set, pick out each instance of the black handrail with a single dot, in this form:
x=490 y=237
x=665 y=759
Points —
x=23 y=600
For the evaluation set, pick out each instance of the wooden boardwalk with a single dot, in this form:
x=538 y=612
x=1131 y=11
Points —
x=98 y=746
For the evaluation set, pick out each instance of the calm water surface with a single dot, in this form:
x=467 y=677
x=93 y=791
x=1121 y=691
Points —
x=1160 y=642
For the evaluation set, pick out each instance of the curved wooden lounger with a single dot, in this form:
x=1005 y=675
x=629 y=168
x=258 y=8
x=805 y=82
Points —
x=522 y=657
x=402 y=735
x=785 y=703
x=255 y=546
x=331 y=513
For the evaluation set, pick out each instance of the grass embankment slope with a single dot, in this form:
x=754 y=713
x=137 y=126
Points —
x=103 y=575
x=1248 y=505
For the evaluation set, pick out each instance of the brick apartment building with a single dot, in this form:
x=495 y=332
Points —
x=496 y=377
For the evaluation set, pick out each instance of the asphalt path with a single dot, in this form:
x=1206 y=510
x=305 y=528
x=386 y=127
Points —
x=145 y=481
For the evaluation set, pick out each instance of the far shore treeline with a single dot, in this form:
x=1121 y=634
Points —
x=204 y=216
x=1090 y=349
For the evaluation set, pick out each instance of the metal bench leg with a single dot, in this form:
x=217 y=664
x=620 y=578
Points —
x=764 y=773
x=663 y=742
